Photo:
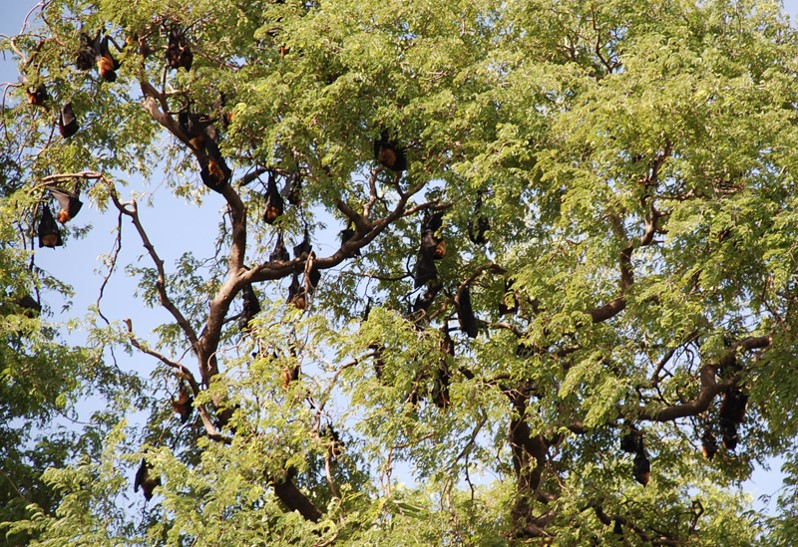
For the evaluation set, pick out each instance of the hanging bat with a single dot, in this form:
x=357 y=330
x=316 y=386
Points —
x=67 y=122
x=280 y=253
x=632 y=441
x=225 y=115
x=709 y=446
x=290 y=374
x=336 y=445
x=478 y=227
x=313 y=278
x=440 y=386
x=194 y=126
x=346 y=234
x=87 y=51
x=184 y=404
x=37 y=95
x=106 y=64
x=251 y=306
x=178 y=54
x=274 y=202
x=465 y=314
x=144 y=480
x=389 y=154
x=49 y=236
x=641 y=468
x=292 y=191
x=296 y=294
x=303 y=249
x=214 y=172
x=425 y=270
x=70 y=203
x=732 y=413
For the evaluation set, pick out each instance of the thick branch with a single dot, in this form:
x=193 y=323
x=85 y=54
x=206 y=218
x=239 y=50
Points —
x=710 y=387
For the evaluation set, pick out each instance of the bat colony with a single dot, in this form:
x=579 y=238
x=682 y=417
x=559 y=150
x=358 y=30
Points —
x=199 y=132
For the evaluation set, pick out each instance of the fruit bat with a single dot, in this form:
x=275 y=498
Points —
x=440 y=386
x=106 y=64
x=632 y=441
x=641 y=468
x=465 y=314
x=313 y=278
x=290 y=374
x=424 y=301
x=292 y=191
x=389 y=154
x=431 y=245
x=49 y=236
x=178 y=54
x=67 y=122
x=732 y=413
x=336 y=445
x=225 y=116
x=251 y=306
x=478 y=227
x=618 y=528
x=194 y=127
x=30 y=305
x=215 y=173
x=303 y=249
x=37 y=95
x=347 y=234
x=87 y=51
x=296 y=294
x=709 y=445
x=184 y=404
x=274 y=201
x=280 y=253
x=144 y=480
x=70 y=203
x=425 y=270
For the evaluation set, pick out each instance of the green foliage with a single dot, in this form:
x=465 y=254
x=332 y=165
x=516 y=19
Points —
x=632 y=166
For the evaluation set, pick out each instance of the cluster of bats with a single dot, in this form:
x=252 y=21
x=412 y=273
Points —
x=731 y=415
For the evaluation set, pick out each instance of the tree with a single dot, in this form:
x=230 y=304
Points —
x=566 y=260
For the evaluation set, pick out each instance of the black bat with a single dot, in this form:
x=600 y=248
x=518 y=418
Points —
x=465 y=314
x=87 y=51
x=280 y=253
x=49 y=236
x=184 y=404
x=303 y=249
x=178 y=53
x=292 y=191
x=144 y=480
x=67 y=122
x=69 y=201
x=250 y=304
x=709 y=445
x=389 y=154
x=641 y=468
x=274 y=201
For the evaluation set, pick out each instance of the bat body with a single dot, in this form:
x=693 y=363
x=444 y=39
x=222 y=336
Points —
x=251 y=306
x=709 y=446
x=274 y=201
x=732 y=413
x=106 y=64
x=465 y=314
x=389 y=154
x=641 y=468
x=145 y=481
x=48 y=233
x=67 y=122
x=87 y=51
x=184 y=404
x=178 y=53
x=69 y=201
x=280 y=253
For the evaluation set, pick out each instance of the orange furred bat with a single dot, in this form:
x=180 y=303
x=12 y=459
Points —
x=178 y=53
x=274 y=201
x=106 y=64
x=69 y=201
x=184 y=404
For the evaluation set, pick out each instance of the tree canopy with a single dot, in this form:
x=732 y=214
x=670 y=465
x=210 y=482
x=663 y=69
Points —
x=486 y=273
